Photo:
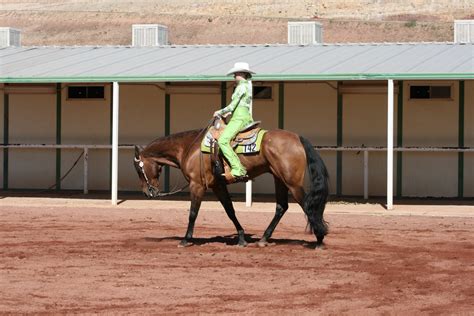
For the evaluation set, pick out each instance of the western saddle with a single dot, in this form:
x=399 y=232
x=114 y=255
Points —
x=247 y=135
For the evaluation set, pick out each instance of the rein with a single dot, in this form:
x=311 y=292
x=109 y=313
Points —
x=201 y=166
x=155 y=191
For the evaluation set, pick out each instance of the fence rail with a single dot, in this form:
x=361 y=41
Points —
x=365 y=150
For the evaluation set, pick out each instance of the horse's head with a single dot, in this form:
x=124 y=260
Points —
x=149 y=173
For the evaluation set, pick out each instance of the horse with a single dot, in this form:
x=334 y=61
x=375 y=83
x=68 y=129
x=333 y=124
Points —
x=284 y=154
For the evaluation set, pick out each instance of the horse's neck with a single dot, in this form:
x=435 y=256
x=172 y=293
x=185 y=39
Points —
x=165 y=154
x=172 y=150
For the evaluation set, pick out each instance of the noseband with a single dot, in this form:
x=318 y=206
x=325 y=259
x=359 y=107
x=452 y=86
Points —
x=154 y=191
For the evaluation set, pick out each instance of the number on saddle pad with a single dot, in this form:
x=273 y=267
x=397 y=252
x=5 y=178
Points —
x=250 y=148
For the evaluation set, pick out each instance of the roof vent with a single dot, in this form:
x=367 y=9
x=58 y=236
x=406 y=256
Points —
x=464 y=31
x=305 y=33
x=149 y=35
x=10 y=37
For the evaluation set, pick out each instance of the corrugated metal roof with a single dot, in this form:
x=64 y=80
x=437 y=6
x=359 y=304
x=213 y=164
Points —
x=211 y=62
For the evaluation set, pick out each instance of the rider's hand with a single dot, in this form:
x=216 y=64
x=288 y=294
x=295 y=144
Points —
x=216 y=114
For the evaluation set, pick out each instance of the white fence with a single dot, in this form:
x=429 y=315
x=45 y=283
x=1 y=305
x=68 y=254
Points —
x=365 y=150
x=85 y=157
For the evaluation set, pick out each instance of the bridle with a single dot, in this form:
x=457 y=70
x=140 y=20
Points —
x=153 y=190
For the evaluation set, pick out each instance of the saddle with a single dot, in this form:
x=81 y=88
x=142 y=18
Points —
x=247 y=141
x=246 y=136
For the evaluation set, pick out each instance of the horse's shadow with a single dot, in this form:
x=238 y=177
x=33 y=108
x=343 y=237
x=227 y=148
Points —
x=232 y=240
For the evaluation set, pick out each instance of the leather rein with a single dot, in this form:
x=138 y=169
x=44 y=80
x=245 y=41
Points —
x=155 y=191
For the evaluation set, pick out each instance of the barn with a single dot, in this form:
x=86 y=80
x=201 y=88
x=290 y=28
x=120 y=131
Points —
x=78 y=106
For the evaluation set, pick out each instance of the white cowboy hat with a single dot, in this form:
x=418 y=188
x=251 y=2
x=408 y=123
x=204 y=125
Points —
x=240 y=67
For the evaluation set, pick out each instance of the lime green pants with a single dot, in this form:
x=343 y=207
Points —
x=240 y=118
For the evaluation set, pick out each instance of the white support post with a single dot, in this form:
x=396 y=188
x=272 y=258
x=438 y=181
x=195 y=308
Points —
x=248 y=193
x=86 y=171
x=390 y=146
x=366 y=174
x=115 y=129
x=248 y=185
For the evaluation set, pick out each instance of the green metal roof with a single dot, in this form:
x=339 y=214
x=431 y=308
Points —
x=209 y=63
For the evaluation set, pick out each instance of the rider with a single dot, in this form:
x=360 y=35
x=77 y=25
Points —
x=239 y=107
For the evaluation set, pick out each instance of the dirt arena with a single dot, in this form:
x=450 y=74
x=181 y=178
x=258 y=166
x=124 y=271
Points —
x=74 y=256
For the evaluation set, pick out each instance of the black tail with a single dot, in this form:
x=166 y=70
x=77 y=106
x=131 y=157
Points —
x=315 y=199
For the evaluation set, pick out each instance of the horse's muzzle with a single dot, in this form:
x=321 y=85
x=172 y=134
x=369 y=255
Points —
x=152 y=192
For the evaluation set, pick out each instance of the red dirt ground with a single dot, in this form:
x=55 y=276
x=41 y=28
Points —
x=105 y=260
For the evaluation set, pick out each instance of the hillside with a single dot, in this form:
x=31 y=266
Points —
x=108 y=22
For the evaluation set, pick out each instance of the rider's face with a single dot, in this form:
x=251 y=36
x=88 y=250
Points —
x=239 y=76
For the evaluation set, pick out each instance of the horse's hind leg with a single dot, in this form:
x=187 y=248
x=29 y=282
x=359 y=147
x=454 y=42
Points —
x=223 y=195
x=281 y=192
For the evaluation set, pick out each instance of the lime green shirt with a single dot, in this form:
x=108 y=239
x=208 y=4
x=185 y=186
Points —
x=242 y=96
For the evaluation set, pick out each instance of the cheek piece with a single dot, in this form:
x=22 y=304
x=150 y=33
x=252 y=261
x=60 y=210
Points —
x=152 y=190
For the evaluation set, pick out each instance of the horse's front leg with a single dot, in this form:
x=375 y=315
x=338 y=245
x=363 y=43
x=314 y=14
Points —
x=197 y=192
x=223 y=195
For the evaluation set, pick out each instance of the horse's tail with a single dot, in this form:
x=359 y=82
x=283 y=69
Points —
x=315 y=199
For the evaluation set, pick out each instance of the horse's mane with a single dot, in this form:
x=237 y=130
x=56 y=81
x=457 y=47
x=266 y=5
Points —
x=157 y=146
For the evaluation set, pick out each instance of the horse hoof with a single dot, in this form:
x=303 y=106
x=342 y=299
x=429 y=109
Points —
x=242 y=244
x=319 y=246
x=262 y=244
x=184 y=244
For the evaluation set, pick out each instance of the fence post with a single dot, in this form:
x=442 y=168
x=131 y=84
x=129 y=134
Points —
x=115 y=134
x=390 y=145
x=86 y=166
x=366 y=174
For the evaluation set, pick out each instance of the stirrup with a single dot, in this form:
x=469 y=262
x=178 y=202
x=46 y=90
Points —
x=229 y=178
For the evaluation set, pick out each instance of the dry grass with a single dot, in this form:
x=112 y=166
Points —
x=108 y=22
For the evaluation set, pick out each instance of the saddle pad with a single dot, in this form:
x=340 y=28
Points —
x=251 y=147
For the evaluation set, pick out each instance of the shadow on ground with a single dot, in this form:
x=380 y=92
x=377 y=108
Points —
x=231 y=240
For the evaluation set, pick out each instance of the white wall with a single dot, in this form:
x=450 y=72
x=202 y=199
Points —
x=86 y=122
x=1 y=132
x=32 y=120
x=430 y=123
x=310 y=110
x=365 y=124
x=469 y=138
x=142 y=119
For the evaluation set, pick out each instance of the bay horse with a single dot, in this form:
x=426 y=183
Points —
x=284 y=154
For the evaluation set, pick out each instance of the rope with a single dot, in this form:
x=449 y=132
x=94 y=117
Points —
x=201 y=162
x=65 y=175
x=160 y=194
x=201 y=157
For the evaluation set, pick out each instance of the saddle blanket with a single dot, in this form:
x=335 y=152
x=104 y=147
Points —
x=250 y=146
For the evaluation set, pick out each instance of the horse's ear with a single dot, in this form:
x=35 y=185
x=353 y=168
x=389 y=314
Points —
x=137 y=152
